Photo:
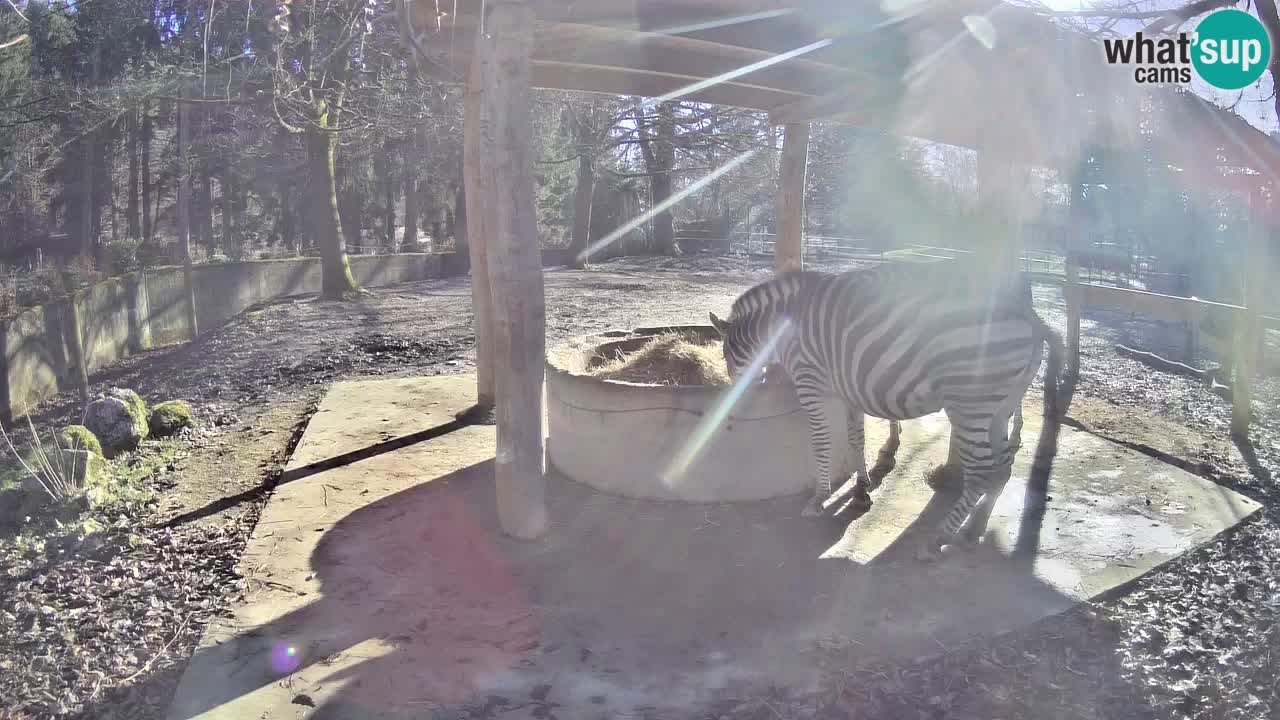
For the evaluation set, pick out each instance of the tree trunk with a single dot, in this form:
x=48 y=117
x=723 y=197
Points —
x=203 y=223
x=230 y=238
x=287 y=238
x=146 y=172
x=515 y=269
x=788 y=253
x=88 y=241
x=461 y=241
x=184 y=184
x=477 y=189
x=349 y=206
x=131 y=202
x=659 y=160
x=115 y=207
x=583 y=194
x=336 y=278
x=664 y=151
x=184 y=215
x=388 y=182
x=389 y=222
x=409 y=240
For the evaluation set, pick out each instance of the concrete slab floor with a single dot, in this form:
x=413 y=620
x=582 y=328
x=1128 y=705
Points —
x=382 y=588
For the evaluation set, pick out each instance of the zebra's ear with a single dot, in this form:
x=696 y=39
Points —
x=721 y=326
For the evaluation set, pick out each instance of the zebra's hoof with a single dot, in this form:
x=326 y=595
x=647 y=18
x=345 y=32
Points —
x=969 y=539
x=813 y=509
x=929 y=551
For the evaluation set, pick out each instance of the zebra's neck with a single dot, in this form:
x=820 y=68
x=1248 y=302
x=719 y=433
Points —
x=776 y=294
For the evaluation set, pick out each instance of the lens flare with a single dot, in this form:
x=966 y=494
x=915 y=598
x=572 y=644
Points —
x=711 y=24
x=715 y=417
x=285 y=658
x=639 y=220
x=744 y=70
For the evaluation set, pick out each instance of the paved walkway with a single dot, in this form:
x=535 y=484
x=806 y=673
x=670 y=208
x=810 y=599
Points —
x=382 y=588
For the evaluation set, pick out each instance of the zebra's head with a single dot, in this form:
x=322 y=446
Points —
x=745 y=339
x=736 y=347
x=760 y=323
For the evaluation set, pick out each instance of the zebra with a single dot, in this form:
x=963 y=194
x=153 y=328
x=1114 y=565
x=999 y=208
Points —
x=900 y=342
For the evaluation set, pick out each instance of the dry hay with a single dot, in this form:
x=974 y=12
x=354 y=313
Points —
x=668 y=359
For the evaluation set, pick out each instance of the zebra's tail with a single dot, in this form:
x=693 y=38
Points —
x=1054 y=400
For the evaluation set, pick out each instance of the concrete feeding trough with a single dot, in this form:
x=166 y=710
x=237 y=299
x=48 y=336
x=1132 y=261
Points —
x=622 y=437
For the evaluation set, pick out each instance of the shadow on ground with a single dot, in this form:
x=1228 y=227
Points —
x=626 y=606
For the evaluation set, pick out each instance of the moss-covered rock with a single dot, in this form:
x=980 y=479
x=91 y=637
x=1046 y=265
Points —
x=118 y=419
x=84 y=469
x=171 y=417
x=79 y=437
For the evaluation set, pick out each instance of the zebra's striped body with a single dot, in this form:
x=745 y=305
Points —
x=900 y=342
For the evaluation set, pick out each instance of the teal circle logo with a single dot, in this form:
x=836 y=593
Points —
x=1231 y=49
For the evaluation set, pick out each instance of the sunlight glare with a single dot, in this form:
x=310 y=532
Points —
x=744 y=70
x=720 y=411
x=710 y=24
x=641 y=219
x=982 y=30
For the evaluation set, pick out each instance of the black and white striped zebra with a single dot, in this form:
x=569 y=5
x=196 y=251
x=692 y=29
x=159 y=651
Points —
x=900 y=342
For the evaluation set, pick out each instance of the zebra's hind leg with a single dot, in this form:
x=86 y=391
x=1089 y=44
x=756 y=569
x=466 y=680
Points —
x=949 y=476
x=931 y=546
x=976 y=526
x=980 y=445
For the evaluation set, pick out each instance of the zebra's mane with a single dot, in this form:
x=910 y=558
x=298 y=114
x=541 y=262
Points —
x=772 y=291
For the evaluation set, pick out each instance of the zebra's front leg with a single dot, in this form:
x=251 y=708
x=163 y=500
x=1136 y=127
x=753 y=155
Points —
x=813 y=402
x=855 y=465
x=887 y=458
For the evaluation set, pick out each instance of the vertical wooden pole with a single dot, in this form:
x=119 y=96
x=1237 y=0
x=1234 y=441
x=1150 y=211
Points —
x=477 y=191
x=789 y=248
x=515 y=265
x=1246 y=334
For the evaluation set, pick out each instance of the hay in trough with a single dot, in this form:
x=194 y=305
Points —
x=669 y=359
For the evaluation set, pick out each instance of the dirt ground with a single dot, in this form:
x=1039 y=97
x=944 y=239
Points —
x=1195 y=639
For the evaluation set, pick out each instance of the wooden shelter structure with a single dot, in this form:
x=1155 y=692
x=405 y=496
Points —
x=977 y=73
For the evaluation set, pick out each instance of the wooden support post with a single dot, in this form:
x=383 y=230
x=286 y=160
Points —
x=789 y=213
x=505 y=163
x=1248 y=328
x=477 y=191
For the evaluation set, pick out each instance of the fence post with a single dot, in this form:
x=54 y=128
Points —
x=1246 y=331
x=139 y=312
x=189 y=286
x=76 y=340
x=1074 y=295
